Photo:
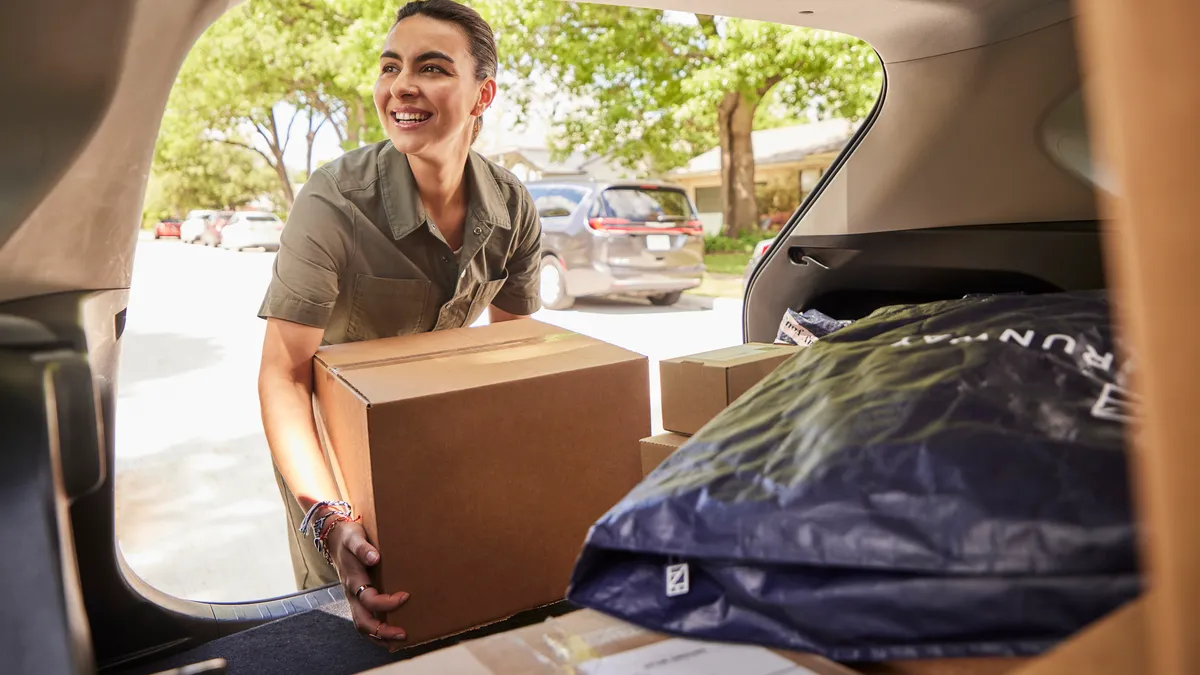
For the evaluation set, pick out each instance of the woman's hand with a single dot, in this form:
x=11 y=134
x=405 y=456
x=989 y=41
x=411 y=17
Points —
x=352 y=555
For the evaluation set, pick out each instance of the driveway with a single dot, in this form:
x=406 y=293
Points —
x=198 y=513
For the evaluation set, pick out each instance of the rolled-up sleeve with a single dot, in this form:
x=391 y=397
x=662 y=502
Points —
x=314 y=250
x=520 y=294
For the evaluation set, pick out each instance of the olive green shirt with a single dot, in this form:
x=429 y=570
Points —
x=360 y=258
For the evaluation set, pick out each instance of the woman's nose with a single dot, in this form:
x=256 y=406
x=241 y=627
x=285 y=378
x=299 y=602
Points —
x=403 y=86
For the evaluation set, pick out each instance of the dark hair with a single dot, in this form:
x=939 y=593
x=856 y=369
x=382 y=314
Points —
x=478 y=32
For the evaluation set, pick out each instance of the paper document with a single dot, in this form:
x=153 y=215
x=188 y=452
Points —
x=688 y=657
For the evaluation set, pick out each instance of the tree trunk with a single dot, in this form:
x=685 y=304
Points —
x=356 y=124
x=281 y=171
x=310 y=137
x=278 y=146
x=735 y=122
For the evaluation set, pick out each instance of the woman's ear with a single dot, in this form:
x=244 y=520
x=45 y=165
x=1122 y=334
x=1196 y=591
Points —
x=487 y=94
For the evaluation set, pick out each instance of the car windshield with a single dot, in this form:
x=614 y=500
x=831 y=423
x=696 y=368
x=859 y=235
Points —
x=648 y=204
x=262 y=219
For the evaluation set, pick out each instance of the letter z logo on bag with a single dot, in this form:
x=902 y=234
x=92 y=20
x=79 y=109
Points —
x=678 y=582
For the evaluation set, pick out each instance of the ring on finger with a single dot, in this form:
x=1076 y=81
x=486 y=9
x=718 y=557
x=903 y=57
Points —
x=375 y=633
x=359 y=592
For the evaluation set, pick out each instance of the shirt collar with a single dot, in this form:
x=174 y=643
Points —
x=405 y=212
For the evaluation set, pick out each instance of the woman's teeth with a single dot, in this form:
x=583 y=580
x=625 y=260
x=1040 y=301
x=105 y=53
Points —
x=411 y=117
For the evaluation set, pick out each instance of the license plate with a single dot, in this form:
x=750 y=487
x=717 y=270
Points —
x=658 y=242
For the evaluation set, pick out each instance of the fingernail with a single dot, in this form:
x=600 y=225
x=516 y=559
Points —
x=403 y=597
x=372 y=558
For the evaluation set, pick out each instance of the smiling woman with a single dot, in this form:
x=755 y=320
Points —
x=413 y=234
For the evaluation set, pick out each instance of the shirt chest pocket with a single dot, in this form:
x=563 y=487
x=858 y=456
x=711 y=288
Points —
x=381 y=308
x=483 y=297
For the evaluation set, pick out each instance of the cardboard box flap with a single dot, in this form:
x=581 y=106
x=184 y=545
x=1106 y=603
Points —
x=656 y=450
x=737 y=355
x=383 y=371
x=362 y=354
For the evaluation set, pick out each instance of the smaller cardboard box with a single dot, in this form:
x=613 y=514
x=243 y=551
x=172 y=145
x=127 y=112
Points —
x=479 y=458
x=590 y=643
x=656 y=449
x=696 y=388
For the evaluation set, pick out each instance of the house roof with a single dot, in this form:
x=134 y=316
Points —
x=781 y=145
x=541 y=160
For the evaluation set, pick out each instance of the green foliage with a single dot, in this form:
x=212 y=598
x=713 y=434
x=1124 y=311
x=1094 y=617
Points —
x=649 y=86
x=192 y=172
x=317 y=57
x=653 y=85
x=726 y=263
x=723 y=244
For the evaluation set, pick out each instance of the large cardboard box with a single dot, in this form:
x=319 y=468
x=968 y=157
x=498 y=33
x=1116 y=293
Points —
x=696 y=388
x=590 y=643
x=479 y=458
x=656 y=449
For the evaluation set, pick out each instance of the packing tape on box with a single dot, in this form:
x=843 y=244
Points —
x=552 y=338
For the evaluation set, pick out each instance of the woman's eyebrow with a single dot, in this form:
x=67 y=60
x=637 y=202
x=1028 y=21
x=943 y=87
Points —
x=427 y=56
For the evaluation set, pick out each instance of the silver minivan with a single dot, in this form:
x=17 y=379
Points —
x=607 y=238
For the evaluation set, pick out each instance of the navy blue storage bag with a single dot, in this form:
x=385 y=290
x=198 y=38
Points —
x=935 y=480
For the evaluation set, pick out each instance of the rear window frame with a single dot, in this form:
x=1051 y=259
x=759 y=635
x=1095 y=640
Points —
x=609 y=212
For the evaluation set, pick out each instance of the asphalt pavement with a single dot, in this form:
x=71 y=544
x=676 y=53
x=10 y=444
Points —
x=198 y=513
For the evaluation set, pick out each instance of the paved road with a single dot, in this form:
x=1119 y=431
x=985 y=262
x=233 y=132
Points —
x=199 y=515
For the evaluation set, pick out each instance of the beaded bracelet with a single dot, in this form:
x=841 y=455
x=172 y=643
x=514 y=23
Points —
x=320 y=541
x=319 y=523
x=308 y=517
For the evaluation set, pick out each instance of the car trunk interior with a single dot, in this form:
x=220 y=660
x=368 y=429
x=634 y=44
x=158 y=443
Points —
x=949 y=189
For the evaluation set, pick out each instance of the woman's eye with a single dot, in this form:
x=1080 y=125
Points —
x=390 y=69
x=433 y=69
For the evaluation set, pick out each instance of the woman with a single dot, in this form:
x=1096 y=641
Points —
x=413 y=234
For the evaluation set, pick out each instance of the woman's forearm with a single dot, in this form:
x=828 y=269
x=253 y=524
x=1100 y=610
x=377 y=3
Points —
x=285 y=396
x=292 y=436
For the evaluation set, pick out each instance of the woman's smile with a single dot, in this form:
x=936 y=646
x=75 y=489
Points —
x=409 y=118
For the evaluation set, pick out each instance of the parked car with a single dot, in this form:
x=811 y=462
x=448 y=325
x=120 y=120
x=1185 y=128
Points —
x=760 y=250
x=602 y=238
x=166 y=228
x=251 y=229
x=213 y=225
x=193 y=225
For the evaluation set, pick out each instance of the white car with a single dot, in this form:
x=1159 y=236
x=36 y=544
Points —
x=252 y=229
x=193 y=226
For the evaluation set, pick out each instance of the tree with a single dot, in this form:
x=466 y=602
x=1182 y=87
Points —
x=664 y=88
x=268 y=65
x=191 y=172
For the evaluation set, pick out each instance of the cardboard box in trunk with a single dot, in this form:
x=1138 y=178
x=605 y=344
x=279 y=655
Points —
x=479 y=458
x=588 y=642
x=656 y=449
x=696 y=388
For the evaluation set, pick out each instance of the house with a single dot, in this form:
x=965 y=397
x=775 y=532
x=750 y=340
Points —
x=788 y=162
x=535 y=163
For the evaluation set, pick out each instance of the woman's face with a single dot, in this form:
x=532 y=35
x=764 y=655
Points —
x=427 y=96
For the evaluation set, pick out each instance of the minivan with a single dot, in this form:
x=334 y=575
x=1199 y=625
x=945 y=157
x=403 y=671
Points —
x=607 y=238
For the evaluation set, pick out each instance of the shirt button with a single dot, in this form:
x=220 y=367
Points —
x=478 y=230
x=445 y=259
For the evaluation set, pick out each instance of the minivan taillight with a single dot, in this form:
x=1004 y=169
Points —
x=693 y=227
x=608 y=223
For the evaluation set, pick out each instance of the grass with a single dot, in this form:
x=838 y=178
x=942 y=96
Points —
x=726 y=263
